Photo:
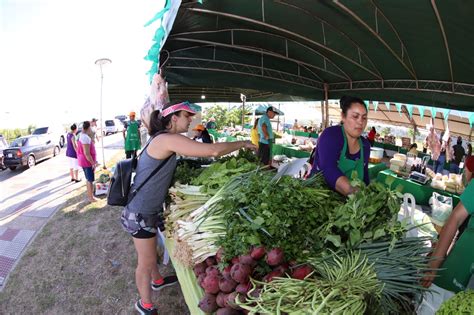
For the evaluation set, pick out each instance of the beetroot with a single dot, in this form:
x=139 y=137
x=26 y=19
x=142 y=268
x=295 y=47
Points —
x=241 y=272
x=257 y=253
x=227 y=311
x=235 y=260
x=254 y=293
x=227 y=284
x=221 y=298
x=208 y=303
x=284 y=268
x=293 y=262
x=199 y=268
x=200 y=279
x=275 y=273
x=275 y=257
x=220 y=255
x=210 y=261
x=301 y=272
x=210 y=284
x=226 y=271
x=243 y=288
x=248 y=260
x=212 y=270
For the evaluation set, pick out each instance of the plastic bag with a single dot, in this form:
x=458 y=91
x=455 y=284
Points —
x=432 y=300
x=441 y=207
x=415 y=217
x=157 y=99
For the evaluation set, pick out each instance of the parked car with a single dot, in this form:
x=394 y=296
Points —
x=113 y=126
x=122 y=118
x=29 y=150
x=3 y=145
x=56 y=134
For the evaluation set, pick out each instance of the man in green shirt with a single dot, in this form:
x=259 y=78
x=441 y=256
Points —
x=131 y=135
x=266 y=138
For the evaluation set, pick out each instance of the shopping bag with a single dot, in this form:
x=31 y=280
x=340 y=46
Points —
x=419 y=223
x=441 y=208
x=433 y=299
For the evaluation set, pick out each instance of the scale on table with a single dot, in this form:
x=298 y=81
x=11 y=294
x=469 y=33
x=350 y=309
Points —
x=419 y=177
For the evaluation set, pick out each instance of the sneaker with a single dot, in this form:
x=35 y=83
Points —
x=170 y=280
x=145 y=311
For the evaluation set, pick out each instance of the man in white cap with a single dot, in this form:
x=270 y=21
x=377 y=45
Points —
x=266 y=138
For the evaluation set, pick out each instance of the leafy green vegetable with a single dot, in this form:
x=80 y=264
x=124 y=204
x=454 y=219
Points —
x=461 y=303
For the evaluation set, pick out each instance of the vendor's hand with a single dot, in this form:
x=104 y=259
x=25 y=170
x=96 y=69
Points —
x=428 y=278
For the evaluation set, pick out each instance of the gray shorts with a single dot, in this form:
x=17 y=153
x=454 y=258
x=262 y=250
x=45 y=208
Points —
x=134 y=222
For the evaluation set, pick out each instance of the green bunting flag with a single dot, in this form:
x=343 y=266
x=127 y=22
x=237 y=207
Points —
x=421 y=109
x=399 y=108
x=446 y=113
x=471 y=119
x=366 y=104
x=160 y=14
x=388 y=106
x=409 y=109
x=376 y=104
x=433 y=112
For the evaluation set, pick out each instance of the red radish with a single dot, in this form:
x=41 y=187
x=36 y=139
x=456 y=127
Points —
x=227 y=285
x=221 y=298
x=210 y=261
x=220 y=255
x=241 y=272
x=235 y=260
x=231 y=300
x=226 y=271
x=258 y=252
x=275 y=257
x=199 y=268
x=201 y=279
x=211 y=284
x=301 y=272
x=284 y=268
x=227 y=311
x=275 y=273
x=243 y=288
x=212 y=270
x=248 y=260
x=208 y=303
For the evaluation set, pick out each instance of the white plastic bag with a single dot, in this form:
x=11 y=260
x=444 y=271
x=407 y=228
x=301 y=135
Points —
x=413 y=216
x=432 y=300
x=441 y=207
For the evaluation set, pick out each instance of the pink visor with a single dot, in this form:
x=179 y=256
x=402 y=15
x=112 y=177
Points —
x=176 y=108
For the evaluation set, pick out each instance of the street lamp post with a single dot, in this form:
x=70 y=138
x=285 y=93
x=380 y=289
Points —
x=101 y=62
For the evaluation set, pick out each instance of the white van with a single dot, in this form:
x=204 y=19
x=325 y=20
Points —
x=113 y=126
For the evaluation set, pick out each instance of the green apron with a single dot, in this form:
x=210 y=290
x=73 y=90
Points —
x=348 y=166
x=459 y=265
x=132 y=141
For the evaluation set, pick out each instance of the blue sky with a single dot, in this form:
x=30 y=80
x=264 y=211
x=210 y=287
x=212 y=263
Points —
x=48 y=53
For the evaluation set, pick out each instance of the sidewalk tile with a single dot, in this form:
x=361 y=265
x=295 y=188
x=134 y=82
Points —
x=14 y=248
x=6 y=264
x=9 y=234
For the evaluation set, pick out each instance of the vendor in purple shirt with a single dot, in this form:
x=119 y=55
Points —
x=341 y=151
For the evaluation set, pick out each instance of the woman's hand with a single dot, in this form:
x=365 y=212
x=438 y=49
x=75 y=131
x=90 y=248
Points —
x=249 y=145
x=428 y=278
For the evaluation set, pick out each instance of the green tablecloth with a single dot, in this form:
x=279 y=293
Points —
x=375 y=169
x=302 y=134
x=192 y=294
x=289 y=151
x=422 y=193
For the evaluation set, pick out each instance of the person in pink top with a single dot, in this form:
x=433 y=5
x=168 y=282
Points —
x=86 y=157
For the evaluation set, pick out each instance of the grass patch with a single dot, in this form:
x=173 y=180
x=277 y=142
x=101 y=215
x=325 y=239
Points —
x=82 y=262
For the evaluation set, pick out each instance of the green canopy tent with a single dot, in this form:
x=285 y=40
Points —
x=415 y=52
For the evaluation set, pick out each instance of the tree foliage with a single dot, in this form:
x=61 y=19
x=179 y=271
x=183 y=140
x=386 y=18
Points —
x=225 y=117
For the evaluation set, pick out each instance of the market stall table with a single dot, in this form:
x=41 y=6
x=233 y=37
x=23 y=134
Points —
x=289 y=150
x=302 y=134
x=375 y=169
x=422 y=193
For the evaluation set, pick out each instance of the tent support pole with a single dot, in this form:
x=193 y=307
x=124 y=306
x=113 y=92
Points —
x=323 y=117
x=326 y=105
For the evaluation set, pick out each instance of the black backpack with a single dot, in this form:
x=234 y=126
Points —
x=121 y=182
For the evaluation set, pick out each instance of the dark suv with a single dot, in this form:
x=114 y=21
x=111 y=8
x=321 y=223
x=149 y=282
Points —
x=28 y=150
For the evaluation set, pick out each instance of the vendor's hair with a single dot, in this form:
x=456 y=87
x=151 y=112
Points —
x=73 y=127
x=346 y=102
x=255 y=124
x=159 y=123
x=414 y=145
x=86 y=125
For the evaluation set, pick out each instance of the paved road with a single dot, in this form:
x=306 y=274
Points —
x=29 y=197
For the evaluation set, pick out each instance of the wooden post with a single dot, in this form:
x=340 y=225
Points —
x=323 y=116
